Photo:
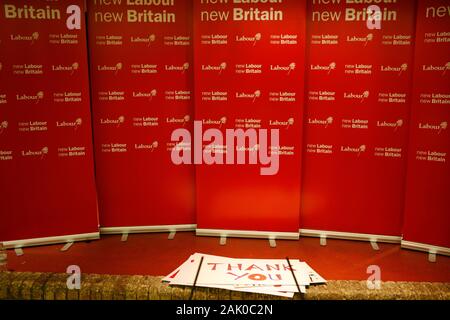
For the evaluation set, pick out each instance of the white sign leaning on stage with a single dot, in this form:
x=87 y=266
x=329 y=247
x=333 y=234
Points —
x=269 y=276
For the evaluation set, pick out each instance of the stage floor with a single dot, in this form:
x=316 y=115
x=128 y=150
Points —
x=155 y=255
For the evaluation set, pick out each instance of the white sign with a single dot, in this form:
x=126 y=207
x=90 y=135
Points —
x=268 y=276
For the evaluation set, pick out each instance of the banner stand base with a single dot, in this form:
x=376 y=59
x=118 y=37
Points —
x=374 y=245
x=272 y=243
x=425 y=248
x=172 y=235
x=148 y=229
x=50 y=240
x=66 y=246
x=349 y=236
x=247 y=234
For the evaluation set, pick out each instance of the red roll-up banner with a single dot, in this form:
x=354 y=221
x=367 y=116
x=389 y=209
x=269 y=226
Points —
x=358 y=96
x=47 y=188
x=427 y=209
x=141 y=75
x=249 y=76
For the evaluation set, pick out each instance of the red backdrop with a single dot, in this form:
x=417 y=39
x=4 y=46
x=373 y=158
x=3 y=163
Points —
x=358 y=96
x=257 y=56
x=427 y=211
x=141 y=75
x=47 y=176
x=357 y=86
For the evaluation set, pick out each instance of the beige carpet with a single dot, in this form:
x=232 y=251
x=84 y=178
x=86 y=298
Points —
x=52 y=286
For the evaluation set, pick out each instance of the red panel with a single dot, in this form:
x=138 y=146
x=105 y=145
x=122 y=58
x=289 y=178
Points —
x=141 y=61
x=46 y=162
x=355 y=143
x=258 y=56
x=427 y=211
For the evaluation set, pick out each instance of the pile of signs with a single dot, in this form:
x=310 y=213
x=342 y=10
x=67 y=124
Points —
x=279 y=277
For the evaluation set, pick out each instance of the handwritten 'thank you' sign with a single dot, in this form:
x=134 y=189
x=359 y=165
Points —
x=270 y=276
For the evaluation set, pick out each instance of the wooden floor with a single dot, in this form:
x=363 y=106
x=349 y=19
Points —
x=155 y=255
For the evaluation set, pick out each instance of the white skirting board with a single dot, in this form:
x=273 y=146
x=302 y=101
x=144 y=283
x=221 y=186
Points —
x=50 y=240
x=349 y=236
x=145 y=229
x=248 y=234
x=425 y=247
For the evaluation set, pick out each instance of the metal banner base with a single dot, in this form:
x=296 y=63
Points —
x=349 y=236
x=248 y=234
x=145 y=229
x=425 y=248
x=51 y=240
